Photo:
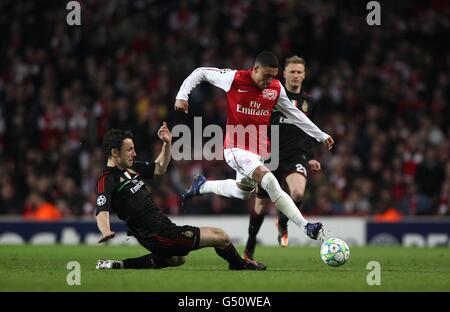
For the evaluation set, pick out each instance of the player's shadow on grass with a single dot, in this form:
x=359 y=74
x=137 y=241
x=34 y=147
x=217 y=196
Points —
x=228 y=270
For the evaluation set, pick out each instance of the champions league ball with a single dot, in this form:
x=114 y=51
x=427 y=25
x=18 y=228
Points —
x=334 y=252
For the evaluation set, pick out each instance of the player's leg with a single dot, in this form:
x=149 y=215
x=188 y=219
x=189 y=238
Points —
x=242 y=187
x=153 y=261
x=227 y=188
x=217 y=238
x=296 y=183
x=284 y=202
x=171 y=245
x=148 y=261
x=262 y=201
x=168 y=248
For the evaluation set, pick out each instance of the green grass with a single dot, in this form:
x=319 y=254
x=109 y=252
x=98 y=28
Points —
x=43 y=268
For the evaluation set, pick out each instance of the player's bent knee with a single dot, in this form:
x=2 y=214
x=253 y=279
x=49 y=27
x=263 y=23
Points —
x=261 y=205
x=213 y=237
x=226 y=240
x=222 y=237
x=259 y=173
x=297 y=196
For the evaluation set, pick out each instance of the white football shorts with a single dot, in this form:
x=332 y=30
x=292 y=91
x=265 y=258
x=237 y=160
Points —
x=244 y=163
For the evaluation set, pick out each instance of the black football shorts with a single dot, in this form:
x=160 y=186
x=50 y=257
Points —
x=173 y=241
x=298 y=164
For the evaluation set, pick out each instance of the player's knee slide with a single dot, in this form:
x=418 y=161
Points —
x=222 y=237
x=270 y=184
x=181 y=260
x=157 y=262
x=225 y=238
x=176 y=261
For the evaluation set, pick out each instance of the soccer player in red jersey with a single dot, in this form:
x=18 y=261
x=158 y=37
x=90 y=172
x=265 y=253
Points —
x=251 y=97
x=296 y=155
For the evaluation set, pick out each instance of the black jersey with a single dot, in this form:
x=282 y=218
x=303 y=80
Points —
x=124 y=192
x=294 y=141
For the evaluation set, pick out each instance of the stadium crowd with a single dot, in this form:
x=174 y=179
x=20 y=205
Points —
x=383 y=93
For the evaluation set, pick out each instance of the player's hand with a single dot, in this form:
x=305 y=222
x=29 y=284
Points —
x=314 y=165
x=329 y=143
x=164 y=133
x=182 y=105
x=107 y=237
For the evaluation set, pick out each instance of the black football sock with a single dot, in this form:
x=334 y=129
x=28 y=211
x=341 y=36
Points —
x=282 y=221
x=251 y=243
x=256 y=220
x=230 y=254
x=150 y=261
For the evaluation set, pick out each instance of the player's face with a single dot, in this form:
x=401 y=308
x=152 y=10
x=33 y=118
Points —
x=127 y=154
x=263 y=76
x=294 y=74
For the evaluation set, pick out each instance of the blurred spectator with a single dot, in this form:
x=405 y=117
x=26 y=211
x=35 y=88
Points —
x=36 y=208
x=356 y=204
x=430 y=175
x=10 y=203
x=414 y=203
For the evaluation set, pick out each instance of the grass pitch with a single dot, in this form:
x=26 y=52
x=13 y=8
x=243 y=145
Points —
x=292 y=269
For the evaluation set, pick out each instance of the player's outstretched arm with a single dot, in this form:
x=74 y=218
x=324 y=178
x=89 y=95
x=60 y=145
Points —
x=163 y=160
x=104 y=226
x=221 y=78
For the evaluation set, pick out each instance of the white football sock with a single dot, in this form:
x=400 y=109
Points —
x=227 y=188
x=282 y=201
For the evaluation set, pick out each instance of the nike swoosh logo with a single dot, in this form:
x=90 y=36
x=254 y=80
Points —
x=242 y=91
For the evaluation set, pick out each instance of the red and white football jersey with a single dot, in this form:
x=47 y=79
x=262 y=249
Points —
x=249 y=108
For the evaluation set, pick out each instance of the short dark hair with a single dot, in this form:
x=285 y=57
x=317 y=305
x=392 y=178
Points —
x=267 y=59
x=113 y=138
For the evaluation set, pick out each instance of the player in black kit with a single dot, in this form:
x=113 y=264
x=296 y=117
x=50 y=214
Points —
x=121 y=189
x=295 y=156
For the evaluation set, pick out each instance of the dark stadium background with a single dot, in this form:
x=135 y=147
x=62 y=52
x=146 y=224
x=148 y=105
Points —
x=382 y=92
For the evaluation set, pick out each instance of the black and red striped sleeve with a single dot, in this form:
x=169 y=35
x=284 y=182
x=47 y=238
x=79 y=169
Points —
x=104 y=189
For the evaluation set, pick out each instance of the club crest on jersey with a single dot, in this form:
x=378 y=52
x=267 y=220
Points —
x=188 y=234
x=270 y=94
x=101 y=200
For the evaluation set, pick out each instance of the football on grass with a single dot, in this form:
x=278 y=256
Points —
x=334 y=252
